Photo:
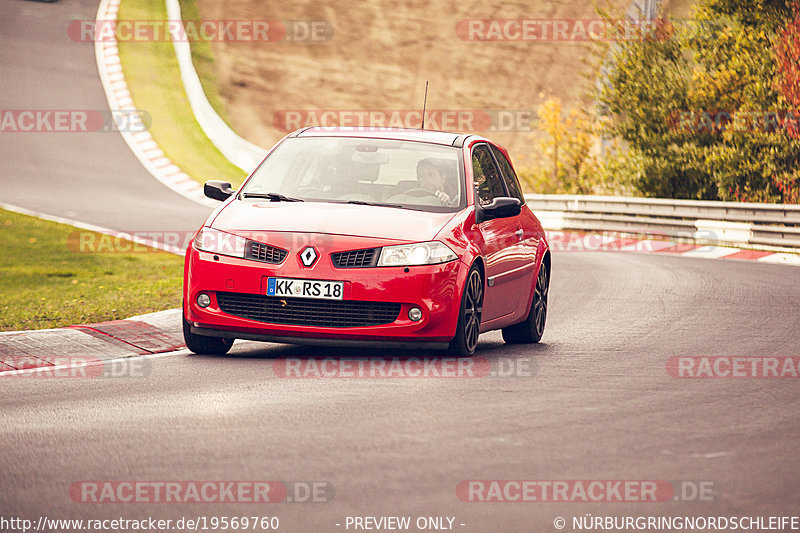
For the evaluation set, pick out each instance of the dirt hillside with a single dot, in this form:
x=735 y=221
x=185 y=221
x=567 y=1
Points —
x=379 y=55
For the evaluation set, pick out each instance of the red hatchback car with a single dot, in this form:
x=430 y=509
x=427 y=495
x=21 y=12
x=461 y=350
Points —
x=369 y=236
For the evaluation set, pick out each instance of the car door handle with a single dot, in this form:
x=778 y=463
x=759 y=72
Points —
x=519 y=233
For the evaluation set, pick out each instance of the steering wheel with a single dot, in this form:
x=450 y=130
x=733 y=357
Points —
x=418 y=192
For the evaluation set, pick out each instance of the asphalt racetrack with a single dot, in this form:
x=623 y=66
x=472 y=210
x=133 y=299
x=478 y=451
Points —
x=595 y=400
x=91 y=177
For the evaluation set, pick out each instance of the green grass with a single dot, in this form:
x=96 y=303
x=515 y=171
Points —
x=203 y=60
x=153 y=78
x=46 y=283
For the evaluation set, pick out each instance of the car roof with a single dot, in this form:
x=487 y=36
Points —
x=399 y=134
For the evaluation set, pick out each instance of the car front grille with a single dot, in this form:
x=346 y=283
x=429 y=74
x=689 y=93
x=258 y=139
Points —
x=308 y=311
x=356 y=258
x=264 y=252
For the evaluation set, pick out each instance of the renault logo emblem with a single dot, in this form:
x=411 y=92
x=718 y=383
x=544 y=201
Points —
x=308 y=256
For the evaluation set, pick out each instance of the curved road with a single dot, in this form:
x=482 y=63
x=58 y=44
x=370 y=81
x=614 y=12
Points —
x=598 y=405
x=91 y=177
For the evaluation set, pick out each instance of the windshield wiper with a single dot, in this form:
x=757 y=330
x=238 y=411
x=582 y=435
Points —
x=273 y=196
x=362 y=202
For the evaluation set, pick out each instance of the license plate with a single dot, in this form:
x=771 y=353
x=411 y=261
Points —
x=305 y=288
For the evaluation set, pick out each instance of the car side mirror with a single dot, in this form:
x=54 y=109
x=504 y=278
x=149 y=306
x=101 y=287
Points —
x=218 y=190
x=501 y=207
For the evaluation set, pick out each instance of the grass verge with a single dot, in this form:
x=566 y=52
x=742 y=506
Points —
x=154 y=80
x=46 y=283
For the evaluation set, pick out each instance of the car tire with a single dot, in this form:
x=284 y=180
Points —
x=469 y=316
x=532 y=328
x=200 y=344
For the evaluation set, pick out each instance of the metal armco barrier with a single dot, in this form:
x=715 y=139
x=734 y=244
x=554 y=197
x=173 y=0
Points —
x=736 y=223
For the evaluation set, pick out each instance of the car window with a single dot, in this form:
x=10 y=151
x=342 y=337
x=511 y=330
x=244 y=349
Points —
x=509 y=176
x=488 y=184
x=410 y=174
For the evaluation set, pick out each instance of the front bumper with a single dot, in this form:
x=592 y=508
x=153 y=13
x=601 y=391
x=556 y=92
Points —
x=435 y=289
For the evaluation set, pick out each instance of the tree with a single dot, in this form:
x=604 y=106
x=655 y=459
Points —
x=788 y=56
x=565 y=155
x=678 y=103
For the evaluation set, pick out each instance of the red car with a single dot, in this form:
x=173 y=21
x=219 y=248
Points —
x=369 y=236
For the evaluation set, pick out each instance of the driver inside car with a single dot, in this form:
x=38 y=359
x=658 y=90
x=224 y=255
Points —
x=432 y=176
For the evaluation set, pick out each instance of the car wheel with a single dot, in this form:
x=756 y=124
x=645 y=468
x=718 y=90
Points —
x=469 y=317
x=200 y=344
x=532 y=329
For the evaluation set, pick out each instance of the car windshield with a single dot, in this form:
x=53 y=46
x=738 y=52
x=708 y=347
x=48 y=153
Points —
x=407 y=174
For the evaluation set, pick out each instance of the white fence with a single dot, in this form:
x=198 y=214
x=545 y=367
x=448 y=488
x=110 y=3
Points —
x=236 y=149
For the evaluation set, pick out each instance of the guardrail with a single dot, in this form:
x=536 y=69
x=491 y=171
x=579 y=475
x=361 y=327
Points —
x=236 y=149
x=710 y=222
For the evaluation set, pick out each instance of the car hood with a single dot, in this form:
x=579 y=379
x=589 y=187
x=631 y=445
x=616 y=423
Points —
x=335 y=219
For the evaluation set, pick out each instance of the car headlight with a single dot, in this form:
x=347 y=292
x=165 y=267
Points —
x=421 y=253
x=218 y=242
